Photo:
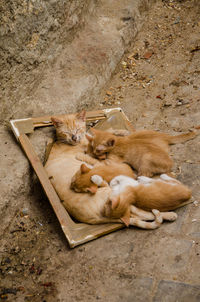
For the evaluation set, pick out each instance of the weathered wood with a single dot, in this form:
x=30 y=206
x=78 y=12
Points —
x=44 y=121
x=27 y=125
x=76 y=233
x=44 y=180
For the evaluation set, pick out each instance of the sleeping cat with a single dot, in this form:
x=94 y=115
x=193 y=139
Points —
x=62 y=165
x=146 y=151
x=81 y=181
x=163 y=193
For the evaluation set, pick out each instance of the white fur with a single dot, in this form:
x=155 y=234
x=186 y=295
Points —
x=166 y=177
x=145 y=180
x=169 y=180
x=119 y=183
x=88 y=165
x=163 y=178
x=97 y=179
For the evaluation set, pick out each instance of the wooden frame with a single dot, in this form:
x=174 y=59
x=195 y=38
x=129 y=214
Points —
x=76 y=233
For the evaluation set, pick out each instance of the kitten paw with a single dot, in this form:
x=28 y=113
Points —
x=158 y=217
x=114 y=182
x=97 y=179
x=166 y=177
x=173 y=216
x=170 y=216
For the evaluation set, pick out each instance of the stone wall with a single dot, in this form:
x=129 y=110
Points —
x=55 y=58
x=27 y=29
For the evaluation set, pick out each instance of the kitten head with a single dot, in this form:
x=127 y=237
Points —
x=70 y=128
x=115 y=207
x=81 y=182
x=101 y=142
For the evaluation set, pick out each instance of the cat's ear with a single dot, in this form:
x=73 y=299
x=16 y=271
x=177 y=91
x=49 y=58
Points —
x=81 y=115
x=115 y=202
x=92 y=189
x=110 y=142
x=89 y=137
x=56 y=122
x=93 y=131
x=84 y=169
x=126 y=218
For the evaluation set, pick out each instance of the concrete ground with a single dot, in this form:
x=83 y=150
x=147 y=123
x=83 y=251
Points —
x=157 y=83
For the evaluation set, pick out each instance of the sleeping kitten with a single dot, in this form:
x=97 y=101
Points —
x=163 y=193
x=81 y=181
x=70 y=129
x=62 y=165
x=146 y=151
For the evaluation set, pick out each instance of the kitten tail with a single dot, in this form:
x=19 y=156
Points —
x=181 y=137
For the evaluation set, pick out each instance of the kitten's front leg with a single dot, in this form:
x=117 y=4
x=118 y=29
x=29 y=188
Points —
x=143 y=215
x=86 y=158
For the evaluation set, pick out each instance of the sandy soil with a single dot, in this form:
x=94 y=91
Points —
x=158 y=85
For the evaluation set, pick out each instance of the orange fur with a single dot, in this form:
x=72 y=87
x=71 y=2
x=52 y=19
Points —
x=159 y=195
x=146 y=151
x=62 y=164
x=81 y=181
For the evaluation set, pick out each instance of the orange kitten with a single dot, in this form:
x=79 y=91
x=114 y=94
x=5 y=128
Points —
x=81 y=181
x=62 y=165
x=70 y=129
x=146 y=151
x=163 y=193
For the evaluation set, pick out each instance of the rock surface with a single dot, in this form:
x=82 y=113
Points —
x=56 y=56
x=157 y=85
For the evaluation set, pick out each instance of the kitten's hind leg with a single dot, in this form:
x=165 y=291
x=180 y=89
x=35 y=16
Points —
x=169 y=216
x=148 y=225
x=143 y=215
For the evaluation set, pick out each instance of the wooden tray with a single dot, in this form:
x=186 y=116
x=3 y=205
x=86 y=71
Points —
x=76 y=233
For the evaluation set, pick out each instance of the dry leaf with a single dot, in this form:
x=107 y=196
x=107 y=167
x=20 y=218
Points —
x=109 y=93
x=148 y=55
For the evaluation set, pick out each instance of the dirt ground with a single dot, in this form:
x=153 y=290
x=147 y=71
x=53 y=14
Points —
x=157 y=84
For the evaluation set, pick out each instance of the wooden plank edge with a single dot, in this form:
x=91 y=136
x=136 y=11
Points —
x=107 y=229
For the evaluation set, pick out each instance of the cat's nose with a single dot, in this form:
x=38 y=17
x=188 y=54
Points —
x=74 y=138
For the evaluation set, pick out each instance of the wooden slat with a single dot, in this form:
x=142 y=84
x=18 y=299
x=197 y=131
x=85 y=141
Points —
x=44 y=121
x=76 y=233
x=62 y=215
